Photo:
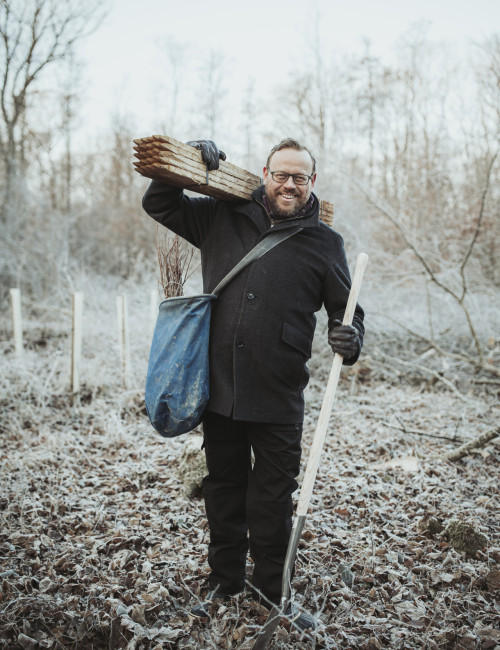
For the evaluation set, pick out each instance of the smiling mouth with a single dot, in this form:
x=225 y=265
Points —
x=288 y=197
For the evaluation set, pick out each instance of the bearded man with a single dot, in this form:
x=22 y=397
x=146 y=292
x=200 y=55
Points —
x=261 y=337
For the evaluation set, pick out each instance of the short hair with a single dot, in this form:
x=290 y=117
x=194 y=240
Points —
x=290 y=143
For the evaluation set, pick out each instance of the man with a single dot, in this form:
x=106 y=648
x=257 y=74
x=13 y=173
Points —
x=260 y=340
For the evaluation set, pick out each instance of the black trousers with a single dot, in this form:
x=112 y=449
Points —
x=249 y=506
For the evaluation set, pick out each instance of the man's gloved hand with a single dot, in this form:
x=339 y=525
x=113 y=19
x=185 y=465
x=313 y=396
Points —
x=209 y=152
x=344 y=339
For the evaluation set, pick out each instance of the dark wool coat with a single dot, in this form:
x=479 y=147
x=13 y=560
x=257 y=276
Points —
x=263 y=321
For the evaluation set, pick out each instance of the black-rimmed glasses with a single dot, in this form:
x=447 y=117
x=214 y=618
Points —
x=282 y=177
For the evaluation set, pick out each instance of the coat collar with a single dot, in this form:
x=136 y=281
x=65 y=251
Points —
x=256 y=210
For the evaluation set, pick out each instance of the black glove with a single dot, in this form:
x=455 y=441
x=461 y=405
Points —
x=209 y=152
x=344 y=339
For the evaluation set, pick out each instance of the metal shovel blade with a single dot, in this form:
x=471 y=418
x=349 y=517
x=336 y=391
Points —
x=266 y=633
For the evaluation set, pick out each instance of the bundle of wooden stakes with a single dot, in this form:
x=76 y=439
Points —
x=166 y=159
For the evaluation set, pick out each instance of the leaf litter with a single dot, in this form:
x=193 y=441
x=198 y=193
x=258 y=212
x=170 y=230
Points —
x=103 y=546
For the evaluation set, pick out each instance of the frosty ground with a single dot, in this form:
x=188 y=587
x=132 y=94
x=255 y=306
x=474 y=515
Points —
x=101 y=548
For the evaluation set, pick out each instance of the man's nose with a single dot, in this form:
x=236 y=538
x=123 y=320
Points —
x=290 y=182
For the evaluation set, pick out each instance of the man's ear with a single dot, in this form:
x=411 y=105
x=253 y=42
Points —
x=265 y=173
x=313 y=180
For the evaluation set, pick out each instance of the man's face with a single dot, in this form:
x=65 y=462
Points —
x=286 y=199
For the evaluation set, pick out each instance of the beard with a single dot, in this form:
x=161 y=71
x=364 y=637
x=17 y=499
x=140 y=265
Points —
x=284 y=213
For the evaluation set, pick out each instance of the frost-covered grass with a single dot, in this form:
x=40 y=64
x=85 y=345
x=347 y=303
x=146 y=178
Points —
x=99 y=546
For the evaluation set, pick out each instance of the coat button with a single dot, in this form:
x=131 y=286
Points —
x=240 y=344
x=250 y=296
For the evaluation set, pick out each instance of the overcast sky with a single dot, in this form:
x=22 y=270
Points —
x=259 y=38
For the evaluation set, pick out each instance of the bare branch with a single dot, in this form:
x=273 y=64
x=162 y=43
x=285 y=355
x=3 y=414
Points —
x=387 y=212
x=428 y=371
x=460 y=299
x=480 y=441
x=478 y=224
x=418 y=432
x=174 y=261
x=459 y=356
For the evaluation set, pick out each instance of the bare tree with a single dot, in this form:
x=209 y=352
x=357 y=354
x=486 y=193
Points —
x=69 y=95
x=34 y=34
x=171 y=86
x=212 y=92
x=423 y=149
x=249 y=126
x=489 y=87
x=121 y=177
x=312 y=104
x=488 y=78
x=458 y=294
x=372 y=83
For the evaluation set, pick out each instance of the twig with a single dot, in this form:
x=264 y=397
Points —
x=174 y=263
x=459 y=356
x=428 y=371
x=418 y=432
x=480 y=441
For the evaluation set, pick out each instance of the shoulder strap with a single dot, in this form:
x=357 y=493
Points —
x=272 y=240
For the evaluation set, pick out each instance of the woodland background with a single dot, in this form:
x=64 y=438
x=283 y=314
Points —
x=100 y=544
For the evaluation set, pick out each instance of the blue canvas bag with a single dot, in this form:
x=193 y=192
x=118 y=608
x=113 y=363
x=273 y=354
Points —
x=177 y=380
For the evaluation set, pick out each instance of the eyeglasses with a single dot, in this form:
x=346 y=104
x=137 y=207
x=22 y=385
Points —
x=282 y=177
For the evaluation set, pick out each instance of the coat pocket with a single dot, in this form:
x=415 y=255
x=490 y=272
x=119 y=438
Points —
x=294 y=337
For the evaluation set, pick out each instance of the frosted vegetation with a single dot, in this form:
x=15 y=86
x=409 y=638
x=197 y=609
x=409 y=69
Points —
x=99 y=544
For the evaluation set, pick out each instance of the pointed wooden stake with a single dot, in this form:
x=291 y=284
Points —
x=123 y=336
x=17 y=323
x=166 y=159
x=76 y=339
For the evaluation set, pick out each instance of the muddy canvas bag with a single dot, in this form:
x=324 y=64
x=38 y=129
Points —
x=177 y=380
